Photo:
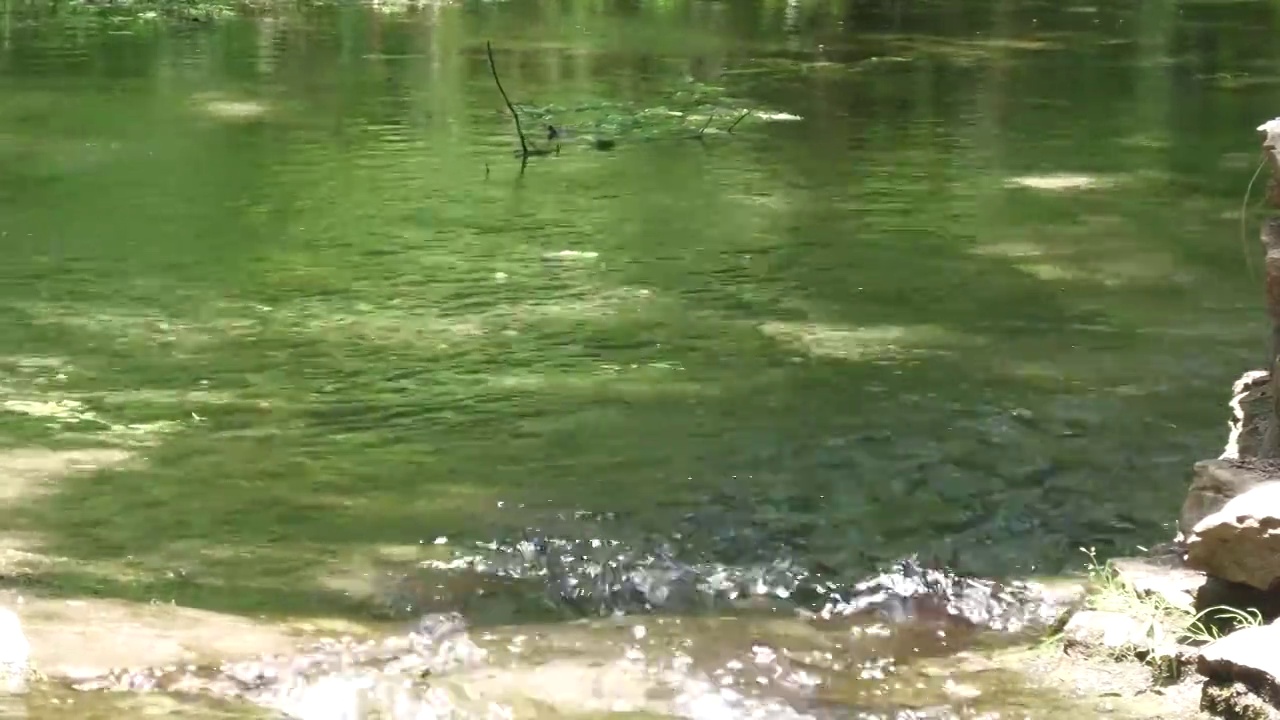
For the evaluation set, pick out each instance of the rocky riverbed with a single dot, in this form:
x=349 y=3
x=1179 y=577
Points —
x=629 y=628
x=637 y=627
x=912 y=642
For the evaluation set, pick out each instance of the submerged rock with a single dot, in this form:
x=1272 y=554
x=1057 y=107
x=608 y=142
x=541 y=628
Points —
x=604 y=577
x=15 y=654
x=447 y=676
x=911 y=590
x=676 y=663
x=345 y=679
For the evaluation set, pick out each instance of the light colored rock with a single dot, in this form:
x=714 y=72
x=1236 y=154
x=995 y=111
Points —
x=15 y=654
x=14 y=647
x=32 y=470
x=78 y=638
x=1245 y=658
x=1062 y=598
x=1214 y=484
x=1111 y=632
x=1250 y=415
x=1165 y=577
x=1241 y=542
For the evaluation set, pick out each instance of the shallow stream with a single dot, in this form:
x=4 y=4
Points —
x=965 y=280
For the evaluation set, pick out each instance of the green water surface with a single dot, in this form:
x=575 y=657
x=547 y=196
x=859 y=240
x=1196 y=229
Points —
x=289 y=259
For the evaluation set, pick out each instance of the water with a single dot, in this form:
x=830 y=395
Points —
x=981 y=300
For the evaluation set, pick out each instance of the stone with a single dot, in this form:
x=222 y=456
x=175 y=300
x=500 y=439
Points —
x=1060 y=598
x=1172 y=662
x=1214 y=484
x=1250 y=415
x=1241 y=542
x=1245 y=658
x=15 y=654
x=14 y=647
x=1165 y=577
x=1111 y=632
x=74 y=638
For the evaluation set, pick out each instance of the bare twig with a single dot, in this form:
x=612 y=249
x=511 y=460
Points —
x=703 y=129
x=741 y=117
x=524 y=147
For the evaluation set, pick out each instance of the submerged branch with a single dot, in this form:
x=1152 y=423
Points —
x=710 y=117
x=524 y=147
x=699 y=136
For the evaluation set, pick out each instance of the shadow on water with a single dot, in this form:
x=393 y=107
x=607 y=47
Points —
x=963 y=284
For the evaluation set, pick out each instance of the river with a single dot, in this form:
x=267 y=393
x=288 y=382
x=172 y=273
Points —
x=965 y=279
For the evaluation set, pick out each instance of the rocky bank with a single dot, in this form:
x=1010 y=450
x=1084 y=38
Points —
x=1202 y=612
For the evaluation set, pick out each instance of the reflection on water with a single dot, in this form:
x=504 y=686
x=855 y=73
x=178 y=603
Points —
x=963 y=283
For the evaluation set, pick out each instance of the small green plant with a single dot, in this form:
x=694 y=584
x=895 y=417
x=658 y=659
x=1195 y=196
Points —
x=1165 y=626
x=1207 y=625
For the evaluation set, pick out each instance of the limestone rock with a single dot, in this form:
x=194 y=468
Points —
x=1172 y=662
x=1234 y=701
x=1165 y=577
x=15 y=654
x=1241 y=542
x=1111 y=632
x=77 y=638
x=1057 y=600
x=1250 y=415
x=1214 y=484
x=1245 y=658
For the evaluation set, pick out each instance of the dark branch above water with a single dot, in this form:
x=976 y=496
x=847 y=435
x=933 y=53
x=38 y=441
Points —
x=493 y=67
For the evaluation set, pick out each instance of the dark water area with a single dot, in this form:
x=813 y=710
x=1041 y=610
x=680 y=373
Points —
x=967 y=280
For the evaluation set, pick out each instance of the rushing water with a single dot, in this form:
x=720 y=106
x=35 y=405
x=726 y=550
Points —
x=967 y=280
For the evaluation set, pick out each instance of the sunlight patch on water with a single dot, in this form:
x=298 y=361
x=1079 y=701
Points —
x=35 y=469
x=391 y=327
x=142 y=327
x=1059 y=182
x=867 y=343
x=1046 y=271
x=394 y=324
x=35 y=363
x=589 y=305
x=647 y=379
x=1009 y=249
x=1088 y=253
x=157 y=396
x=571 y=255
x=67 y=411
x=1112 y=276
x=67 y=414
x=777 y=116
x=229 y=108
